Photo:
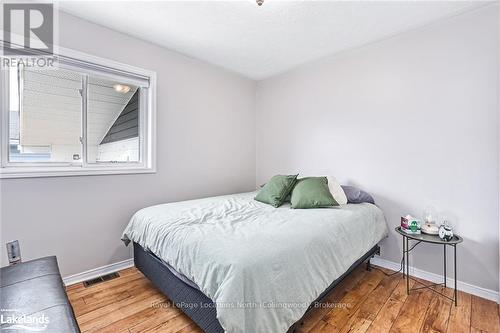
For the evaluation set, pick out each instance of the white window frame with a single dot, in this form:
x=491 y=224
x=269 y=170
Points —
x=147 y=127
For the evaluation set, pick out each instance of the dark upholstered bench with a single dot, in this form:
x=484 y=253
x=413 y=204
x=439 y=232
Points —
x=35 y=289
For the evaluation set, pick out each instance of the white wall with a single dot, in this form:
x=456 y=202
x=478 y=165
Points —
x=413 y=120
x=206 y=146
x=123 y=150
x=64 y=153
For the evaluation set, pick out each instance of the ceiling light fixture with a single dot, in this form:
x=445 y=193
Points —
x=121 y=88
x=259 y=2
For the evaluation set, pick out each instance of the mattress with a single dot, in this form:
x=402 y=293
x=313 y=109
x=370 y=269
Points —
x=262 y=266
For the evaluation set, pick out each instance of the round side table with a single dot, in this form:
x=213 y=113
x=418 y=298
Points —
x=431 y=239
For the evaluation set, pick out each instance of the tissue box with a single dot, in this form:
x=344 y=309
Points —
x=411 y=225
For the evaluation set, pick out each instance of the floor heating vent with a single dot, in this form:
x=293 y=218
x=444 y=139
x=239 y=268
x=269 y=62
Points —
x=100 y=279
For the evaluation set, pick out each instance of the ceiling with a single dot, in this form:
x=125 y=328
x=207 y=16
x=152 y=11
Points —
x=259 y=42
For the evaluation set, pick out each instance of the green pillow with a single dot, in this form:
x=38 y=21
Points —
x=312 y=192
x=276 y=190
x=288 y=197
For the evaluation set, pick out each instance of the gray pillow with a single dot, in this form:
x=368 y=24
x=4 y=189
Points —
x=356 y=195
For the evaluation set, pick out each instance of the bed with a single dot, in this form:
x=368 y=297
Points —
x=237 y=265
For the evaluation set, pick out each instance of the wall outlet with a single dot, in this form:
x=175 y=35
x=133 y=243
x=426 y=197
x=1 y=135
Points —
x=14 y=252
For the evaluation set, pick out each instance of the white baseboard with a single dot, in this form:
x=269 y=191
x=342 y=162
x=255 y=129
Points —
x=436 y=278
x=93 y=273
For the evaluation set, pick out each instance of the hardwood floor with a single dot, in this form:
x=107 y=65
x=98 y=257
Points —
x=364 y=302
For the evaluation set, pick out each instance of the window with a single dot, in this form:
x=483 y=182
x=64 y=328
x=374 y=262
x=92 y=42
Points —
x=80 y=117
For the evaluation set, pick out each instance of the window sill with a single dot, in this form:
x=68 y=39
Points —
x=31 y=172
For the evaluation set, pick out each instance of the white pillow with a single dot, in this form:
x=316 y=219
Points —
x=336 y=191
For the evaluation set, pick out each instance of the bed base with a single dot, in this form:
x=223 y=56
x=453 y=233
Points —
x=200 y=308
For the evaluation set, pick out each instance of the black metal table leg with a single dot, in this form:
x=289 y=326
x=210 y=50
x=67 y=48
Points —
x=407 y=268
x=444 y=246
x=455 y=263
x=404 y=254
